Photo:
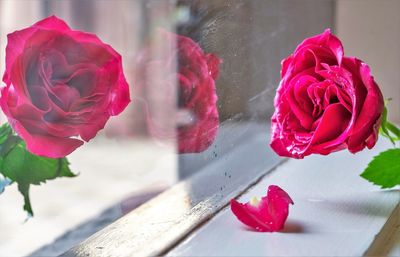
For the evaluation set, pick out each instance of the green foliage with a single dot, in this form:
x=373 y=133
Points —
x=384 y=169
x=388 y=129
x=18 y=165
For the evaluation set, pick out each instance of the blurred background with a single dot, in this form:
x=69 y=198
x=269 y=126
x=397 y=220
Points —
x=125 y=165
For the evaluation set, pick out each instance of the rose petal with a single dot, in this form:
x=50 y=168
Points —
x=213 y=63
x=120 y=97
x=268 y=215
x=52 y=23
x=367 y=122
x=326 y=39
x=85 y=81
x=92 y=128
x=39 y=98
x=48 y=146
x=333 y=123
x=66 y=95
x=286 y=64
x=94 y=47
x=15 y=46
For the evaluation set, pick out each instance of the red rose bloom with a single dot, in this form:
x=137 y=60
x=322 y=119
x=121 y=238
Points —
x=325 y=101
x=195 y=77
x=62 y=86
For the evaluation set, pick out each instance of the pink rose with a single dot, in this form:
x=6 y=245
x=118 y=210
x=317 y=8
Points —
x=325 y=101
x=196 y=72
x=62 y=86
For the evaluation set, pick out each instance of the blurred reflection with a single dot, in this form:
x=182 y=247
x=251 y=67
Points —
x=193 y=73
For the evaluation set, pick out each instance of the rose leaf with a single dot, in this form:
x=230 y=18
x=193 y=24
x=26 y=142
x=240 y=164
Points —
x=394 y=130
x=18 y=165
x=384 y=169
x=388 y=129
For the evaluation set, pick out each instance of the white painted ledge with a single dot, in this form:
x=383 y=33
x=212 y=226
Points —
x=336 y=213
x=238 y=160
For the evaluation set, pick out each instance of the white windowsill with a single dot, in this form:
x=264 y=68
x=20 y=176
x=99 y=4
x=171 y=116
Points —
x=336 y=213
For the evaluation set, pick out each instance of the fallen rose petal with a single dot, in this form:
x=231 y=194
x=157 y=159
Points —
x=266 y=215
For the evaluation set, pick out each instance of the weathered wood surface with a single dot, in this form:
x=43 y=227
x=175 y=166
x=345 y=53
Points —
x=160 y=223
x=336 y=213
x=387 y=242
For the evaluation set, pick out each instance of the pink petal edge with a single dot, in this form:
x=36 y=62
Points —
x=269 y=215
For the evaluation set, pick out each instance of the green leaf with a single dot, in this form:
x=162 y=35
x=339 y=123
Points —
x=26 y=169
x=394 y=130
x=384 y=169
x=22 y=166
x=7 y=139
x=5 y=131
x=24 y=190
x=388 y=129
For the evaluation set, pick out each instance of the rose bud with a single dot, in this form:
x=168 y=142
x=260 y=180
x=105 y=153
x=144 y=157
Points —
x=325 y=101
x=62 y=86
x=266 y=215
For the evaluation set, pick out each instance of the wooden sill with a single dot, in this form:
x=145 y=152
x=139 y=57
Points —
x=336 y=212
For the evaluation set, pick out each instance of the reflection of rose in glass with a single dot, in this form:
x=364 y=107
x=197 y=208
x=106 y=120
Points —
x=195 y=73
